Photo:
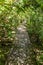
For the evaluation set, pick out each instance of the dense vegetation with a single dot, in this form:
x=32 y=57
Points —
x=14 y=12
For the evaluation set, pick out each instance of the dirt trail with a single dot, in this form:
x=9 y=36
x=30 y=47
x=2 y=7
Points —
x=21 y=53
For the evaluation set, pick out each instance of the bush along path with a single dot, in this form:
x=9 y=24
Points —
x=21 y=53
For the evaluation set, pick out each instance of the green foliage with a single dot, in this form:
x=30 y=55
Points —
x=8 y=25
x=14 y=12
x=35 y=26
x=40 y=2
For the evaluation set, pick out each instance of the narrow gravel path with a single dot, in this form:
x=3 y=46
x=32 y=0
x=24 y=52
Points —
x=21 y=53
